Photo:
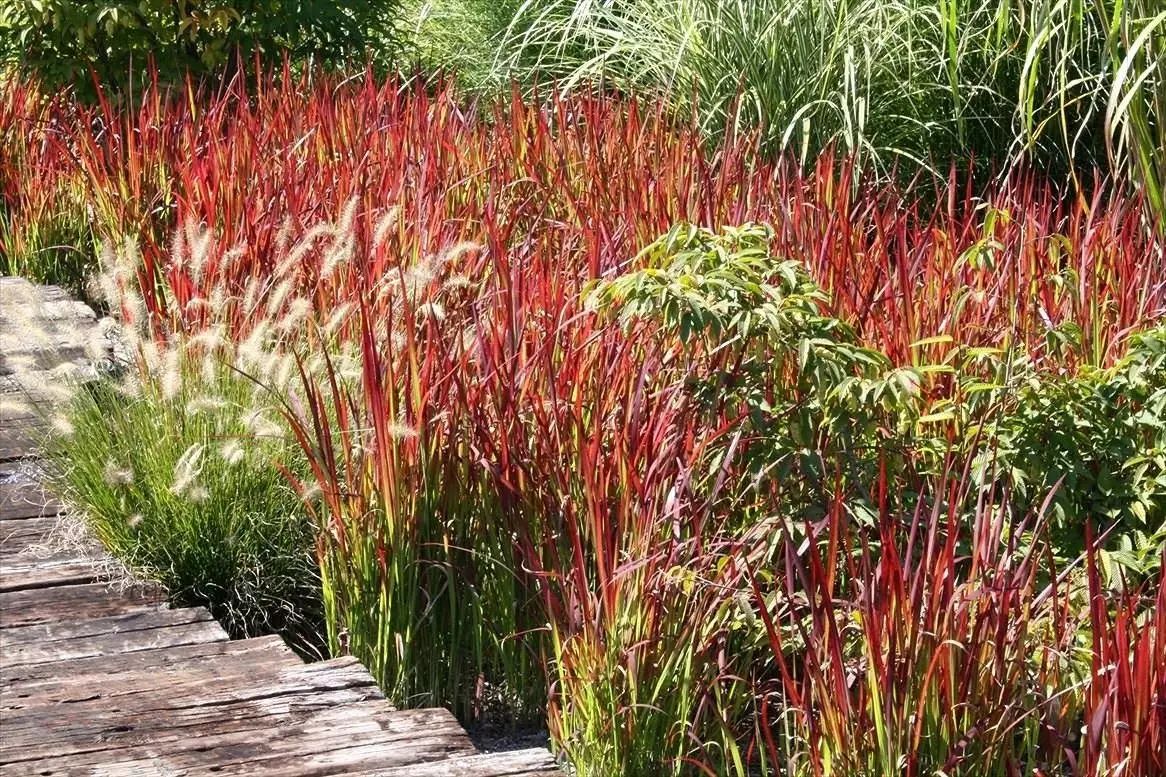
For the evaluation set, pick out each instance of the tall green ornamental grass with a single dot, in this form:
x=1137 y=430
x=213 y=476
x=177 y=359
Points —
x=458 y=38
x=178 y=464
x=1061 y=81
x=182 y=492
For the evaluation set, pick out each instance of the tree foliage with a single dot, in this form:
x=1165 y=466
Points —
x=71 y=41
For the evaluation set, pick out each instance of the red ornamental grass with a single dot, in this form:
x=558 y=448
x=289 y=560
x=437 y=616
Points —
x=600 y=178
x=34 y=175
x=922 y=647
x=1125 y=705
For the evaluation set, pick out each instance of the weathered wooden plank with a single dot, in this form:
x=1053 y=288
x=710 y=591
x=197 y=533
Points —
x=17 y=535
x=65 y=569
x=152 y=618
x=56 y=718
x=14 y=409
x=41 y=301
x=112 y=644
x=20 y=499
x=242 y=672
x=305 y=743
x=49 y=550
x=23 y=417
x=531 y=762
x=17 y=442
x=67 y=602
x=68 y=733
x=145 y=630
x=142 y=660
x=49 y=539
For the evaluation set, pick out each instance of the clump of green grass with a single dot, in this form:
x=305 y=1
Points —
x=175 y=476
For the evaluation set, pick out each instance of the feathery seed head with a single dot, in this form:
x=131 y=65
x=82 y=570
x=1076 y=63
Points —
x=284 y=371
x=385 y=225
x=283 y=236
x=115 y=475
x=339 y=254
x=187 y=469
x=301 y=249
x=107 y=284
x=456 y=282
x=251 y=295
x=399 y=431
x=198 y=241
x=252 y=351
x=259 y=425
x=62 y=426
x=232 y=452
x=171 y=379
x=455 y=252
x=277 y=297
x=297 y=312
x=420 y=275
x=207 y=403
x=218 y=300
x=150 y=354
x=431 y=309
x=210 y=339
x=229 y=258
x=208 y=368
x=130 y=388
x=339 y=316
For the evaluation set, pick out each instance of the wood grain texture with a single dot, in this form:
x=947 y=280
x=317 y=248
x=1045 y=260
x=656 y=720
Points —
x=57 y=603
x=20 y=499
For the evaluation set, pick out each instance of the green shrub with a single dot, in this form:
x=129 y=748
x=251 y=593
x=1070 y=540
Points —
x=177 y=479
x=817 y=406
x=1097 y=442
x=63 y=40
x=815 y=403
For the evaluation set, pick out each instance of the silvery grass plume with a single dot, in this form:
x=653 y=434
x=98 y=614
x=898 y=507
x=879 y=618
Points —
x=232 y=452
x=186 y=472
x=115 y=474
x=265 y=313
x=267 y=329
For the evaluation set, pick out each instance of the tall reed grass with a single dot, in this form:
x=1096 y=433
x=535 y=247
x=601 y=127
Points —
x=1061 y=82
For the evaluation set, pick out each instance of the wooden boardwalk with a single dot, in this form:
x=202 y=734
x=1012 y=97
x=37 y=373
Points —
x=100 y=681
